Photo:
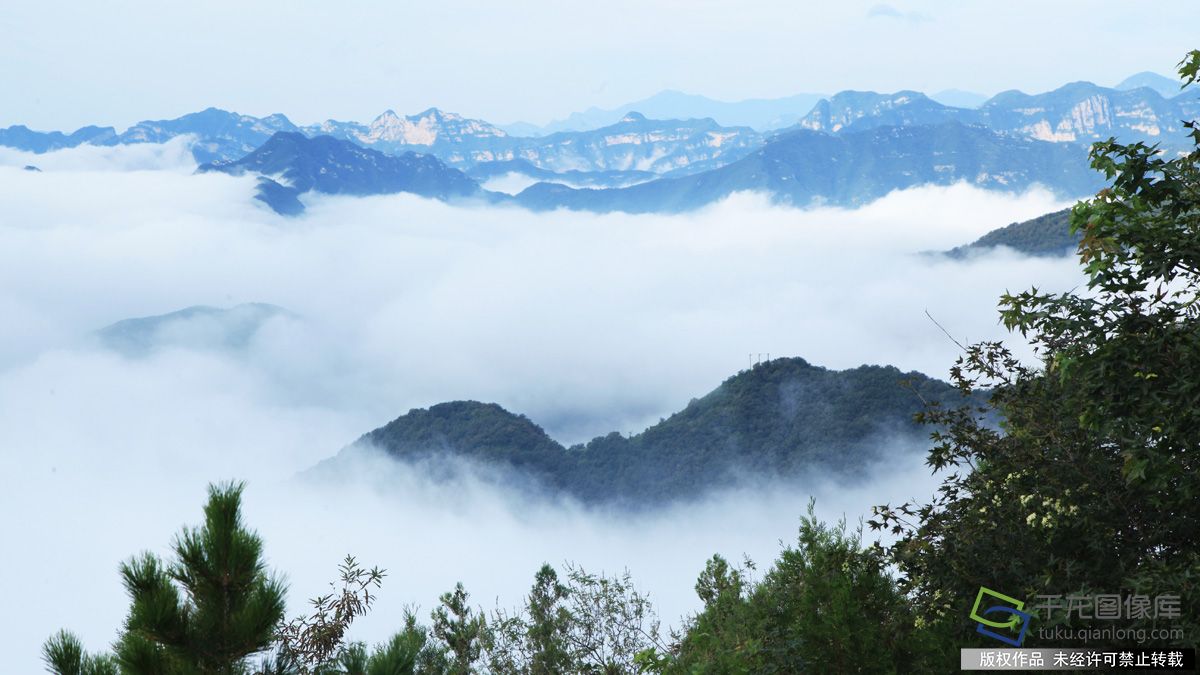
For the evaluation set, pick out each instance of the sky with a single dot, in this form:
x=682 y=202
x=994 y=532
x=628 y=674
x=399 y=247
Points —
x=115 y=63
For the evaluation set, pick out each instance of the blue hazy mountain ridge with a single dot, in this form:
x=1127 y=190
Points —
x=219 y=134
x=632 y=143
x=1079 y=112
x=785 y=419
x=196 y=327
x=958 y=98
x=22 y=137
x=290 y=164
x=859 y=110
x=805 y=167
x=762 y=114
x=1165 y=86
x=800 y=168
x=636 y=143
x=691 y=139
x=485 y=171
x=451 y=137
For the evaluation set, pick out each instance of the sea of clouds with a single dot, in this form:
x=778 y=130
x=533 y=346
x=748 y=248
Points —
x=586 y=323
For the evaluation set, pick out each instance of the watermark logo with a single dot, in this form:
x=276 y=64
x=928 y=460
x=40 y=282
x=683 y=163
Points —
x=1008 y=622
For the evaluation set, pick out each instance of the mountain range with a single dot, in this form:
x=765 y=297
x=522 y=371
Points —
x=218 y=134
x=800 y=168
x=761 y=114
x=846 y=150
x=673 y=132
x=785 y=418
x=290 y=164
x=631 y=143
x=804 y=168
x=1165 y=86
x=1080 y=112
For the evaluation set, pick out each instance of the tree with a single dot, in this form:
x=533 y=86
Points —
x=311 y=641
x=549 y=624
x=459 y=629
x=64 y=655
x=216 y=605
x=207 y=612
x=409 y=652
x=1090 y=483
x=612 y=623
x=823 y=600
x=535 y=639
x=591 y=623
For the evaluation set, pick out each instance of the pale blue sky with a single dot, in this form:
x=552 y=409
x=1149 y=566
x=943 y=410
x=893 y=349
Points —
x=66 y=64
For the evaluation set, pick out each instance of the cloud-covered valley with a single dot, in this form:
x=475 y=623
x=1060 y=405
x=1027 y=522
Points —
x=586 y=323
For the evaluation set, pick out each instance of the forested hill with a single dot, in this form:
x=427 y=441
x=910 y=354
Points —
x=1048 y=235
x=782 y=419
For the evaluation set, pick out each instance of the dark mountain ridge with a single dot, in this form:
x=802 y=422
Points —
x=290 y=164
x=784 y=419
x=1045 y=236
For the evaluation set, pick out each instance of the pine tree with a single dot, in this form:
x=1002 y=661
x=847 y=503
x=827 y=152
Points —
x=64 y=655
x=206 y=612
x=549 y=623
x=462 y=632
x=210 y=609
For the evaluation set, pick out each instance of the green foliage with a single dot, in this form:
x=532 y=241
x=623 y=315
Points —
x=549 y=623
x=206 y=612
x=1091 y=485
x=612 y=622
x=534 y=640
x=591 y=623
x=409 y=652
x=310 y=641
x=209 y=610
x=1048 y=235
x=824 y=600
x=460 y=630
x=216 y=605
x=64 y=655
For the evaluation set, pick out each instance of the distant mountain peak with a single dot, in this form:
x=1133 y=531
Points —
x=199 y=327
x=426 y=128
x=633 y=116
x=290 y=164
x=1165 y=86
x=438 y=114
x=957 y=98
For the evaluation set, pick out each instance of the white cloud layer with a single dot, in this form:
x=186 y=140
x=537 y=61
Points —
x=587 y=323
x=174 y=155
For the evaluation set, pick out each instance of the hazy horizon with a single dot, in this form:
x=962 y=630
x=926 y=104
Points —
x=117 y=65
